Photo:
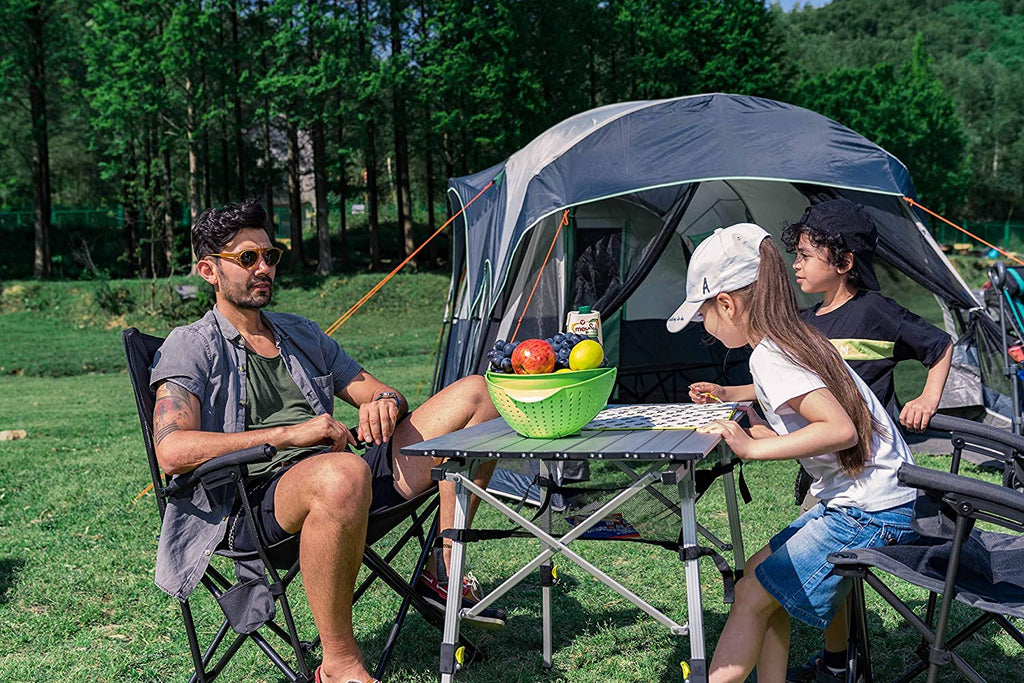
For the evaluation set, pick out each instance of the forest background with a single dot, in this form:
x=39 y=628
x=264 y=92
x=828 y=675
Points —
x=122 y=119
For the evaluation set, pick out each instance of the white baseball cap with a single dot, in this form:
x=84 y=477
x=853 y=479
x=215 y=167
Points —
x=724 y=262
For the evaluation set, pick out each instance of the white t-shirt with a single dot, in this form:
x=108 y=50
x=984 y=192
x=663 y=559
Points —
x=777 y=379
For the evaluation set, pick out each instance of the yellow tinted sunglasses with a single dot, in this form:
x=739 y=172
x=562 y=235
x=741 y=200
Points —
x=250 y=257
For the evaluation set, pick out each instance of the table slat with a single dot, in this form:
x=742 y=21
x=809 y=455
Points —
x=495 y=439
x=448 y=444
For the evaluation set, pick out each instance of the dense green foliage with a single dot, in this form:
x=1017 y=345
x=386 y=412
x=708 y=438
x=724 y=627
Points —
x=975 y=55
x=157 y=110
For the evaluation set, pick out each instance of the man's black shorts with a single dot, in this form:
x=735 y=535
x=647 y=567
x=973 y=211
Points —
x=261 y=498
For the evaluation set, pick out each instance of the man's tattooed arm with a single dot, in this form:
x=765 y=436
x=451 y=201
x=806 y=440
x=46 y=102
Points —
x=176 y=409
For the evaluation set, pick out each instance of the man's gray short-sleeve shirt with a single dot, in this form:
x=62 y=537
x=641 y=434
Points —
x=207 y=358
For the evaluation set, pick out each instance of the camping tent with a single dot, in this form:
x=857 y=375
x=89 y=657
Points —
x=620 y=196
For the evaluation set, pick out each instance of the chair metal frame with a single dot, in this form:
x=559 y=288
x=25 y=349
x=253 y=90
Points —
x=998 y=505
x=280 y=562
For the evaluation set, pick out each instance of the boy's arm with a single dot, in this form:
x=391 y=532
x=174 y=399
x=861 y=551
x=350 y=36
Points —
x=916 y=413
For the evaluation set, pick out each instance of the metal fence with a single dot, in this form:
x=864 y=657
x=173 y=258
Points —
x=113 y=219
x=1005 y=235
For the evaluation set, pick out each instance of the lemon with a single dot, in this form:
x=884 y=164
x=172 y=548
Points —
x=586 y=355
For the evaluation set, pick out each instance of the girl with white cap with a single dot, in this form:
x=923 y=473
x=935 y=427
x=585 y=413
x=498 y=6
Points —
x=817 y=410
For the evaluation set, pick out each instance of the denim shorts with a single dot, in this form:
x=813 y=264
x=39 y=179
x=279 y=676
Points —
x=798 y=573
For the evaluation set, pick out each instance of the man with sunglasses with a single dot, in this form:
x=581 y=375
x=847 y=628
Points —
x=241 y=377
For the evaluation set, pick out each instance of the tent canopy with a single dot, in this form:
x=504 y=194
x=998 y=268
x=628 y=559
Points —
x=638 y=185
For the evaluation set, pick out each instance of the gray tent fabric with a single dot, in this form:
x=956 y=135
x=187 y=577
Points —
x=647 y=181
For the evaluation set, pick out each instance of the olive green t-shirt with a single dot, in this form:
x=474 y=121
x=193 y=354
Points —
x=274 y=401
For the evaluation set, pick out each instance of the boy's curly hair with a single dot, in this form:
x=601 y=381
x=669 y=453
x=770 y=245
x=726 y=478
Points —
x=834 y=245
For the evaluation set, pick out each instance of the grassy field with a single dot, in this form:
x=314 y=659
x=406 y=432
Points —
x=77 y=600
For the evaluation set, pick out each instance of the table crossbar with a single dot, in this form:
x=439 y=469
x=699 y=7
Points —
x=559 y=546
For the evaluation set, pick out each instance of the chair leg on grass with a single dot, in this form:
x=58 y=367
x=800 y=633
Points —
x=858 y=649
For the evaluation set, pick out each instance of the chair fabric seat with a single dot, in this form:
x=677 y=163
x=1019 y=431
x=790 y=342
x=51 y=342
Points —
x=989 y=578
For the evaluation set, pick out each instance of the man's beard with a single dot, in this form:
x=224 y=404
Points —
x=245 y=297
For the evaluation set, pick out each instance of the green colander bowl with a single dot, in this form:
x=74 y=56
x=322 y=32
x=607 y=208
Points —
x=552 y=404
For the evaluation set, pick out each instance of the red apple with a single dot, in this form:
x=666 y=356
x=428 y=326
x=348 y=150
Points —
x=532 y=357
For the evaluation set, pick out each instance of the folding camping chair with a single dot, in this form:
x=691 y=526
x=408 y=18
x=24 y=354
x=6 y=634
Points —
x=951 y=558
x=279 y=563
x=1008 y=282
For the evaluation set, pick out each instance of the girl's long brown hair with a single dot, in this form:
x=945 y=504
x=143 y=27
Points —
x=773 y=314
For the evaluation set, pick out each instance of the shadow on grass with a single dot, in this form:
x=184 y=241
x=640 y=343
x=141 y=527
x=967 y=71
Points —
x=9 y=569
x=513 y=654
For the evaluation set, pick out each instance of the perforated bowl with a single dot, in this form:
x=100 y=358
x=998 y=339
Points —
x=552 y=404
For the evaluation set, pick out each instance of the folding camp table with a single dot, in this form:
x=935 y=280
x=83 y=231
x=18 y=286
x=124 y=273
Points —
x=648 y=456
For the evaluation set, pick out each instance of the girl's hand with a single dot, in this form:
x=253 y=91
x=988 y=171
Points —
x=706 y=392
x=751 y=413
x=735 y=436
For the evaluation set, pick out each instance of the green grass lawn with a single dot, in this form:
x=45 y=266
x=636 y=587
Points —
x=77 y=599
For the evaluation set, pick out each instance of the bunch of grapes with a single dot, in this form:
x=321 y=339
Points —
x=562 y=343
x=501 y=355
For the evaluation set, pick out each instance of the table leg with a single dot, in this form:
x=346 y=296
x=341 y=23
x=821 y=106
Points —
x=694 y=605
x=732 y=508
x=453 y=607
x=545 y=583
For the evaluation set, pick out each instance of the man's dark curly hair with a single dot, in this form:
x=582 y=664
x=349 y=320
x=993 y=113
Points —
x=216 y=227
x=835 y=245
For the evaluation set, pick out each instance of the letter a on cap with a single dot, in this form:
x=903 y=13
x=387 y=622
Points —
x=706 y=289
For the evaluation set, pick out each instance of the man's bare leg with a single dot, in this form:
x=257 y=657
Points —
x=328 y=497
x=462 y=404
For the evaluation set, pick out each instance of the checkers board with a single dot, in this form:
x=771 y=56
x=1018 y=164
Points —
x=660 y=416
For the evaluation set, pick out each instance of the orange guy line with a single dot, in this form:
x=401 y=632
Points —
x=966 y=232
x=376 y=288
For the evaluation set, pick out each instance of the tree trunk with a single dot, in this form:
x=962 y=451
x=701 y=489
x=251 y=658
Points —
x=407 y=242
x=432 y=246
x=225 y=166
x=295 y=198
x=130 y=225
x=268 y=173
x=343 y=193
x=371 y=191
x=237 y=102
x=207 y=173
x=42 y=264
x=168 y=211
x=323 y=233
x=193 y=162
x=148 y=197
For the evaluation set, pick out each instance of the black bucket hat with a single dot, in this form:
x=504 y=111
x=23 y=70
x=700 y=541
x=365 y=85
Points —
x=850 y=221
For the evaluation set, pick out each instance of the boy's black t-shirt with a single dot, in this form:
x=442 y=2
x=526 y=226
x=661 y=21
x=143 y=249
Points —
x=873 y=333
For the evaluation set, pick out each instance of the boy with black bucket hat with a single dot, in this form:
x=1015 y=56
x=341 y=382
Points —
x=834 y=242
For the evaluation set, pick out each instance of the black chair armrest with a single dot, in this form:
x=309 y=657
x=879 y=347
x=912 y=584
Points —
x=986 y=501
x=958 y=425
x=215 y=466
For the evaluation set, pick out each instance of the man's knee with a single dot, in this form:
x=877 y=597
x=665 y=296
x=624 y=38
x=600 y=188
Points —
x=473 y=390
x=342 y=482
